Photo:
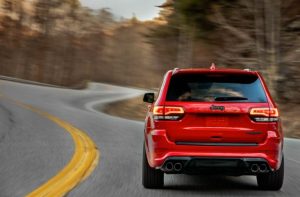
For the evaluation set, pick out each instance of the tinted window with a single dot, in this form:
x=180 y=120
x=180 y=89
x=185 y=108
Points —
x=216 y=87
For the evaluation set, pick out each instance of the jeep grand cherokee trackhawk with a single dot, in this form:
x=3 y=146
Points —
x=213 y=121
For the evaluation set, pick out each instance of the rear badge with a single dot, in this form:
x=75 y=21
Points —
x=215 y=107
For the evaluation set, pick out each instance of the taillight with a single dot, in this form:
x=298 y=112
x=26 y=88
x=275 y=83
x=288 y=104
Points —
x=167 y=113
x=264 y=114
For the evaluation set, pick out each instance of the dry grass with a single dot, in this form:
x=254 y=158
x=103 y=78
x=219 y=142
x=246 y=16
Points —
x=135 y=109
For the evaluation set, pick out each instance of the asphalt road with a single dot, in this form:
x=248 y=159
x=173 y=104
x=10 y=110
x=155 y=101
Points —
x=33 y=149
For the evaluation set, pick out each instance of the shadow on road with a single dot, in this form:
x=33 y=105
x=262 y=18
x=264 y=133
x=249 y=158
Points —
x=212 y=183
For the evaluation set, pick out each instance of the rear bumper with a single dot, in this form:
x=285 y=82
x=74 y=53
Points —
x=160 y=149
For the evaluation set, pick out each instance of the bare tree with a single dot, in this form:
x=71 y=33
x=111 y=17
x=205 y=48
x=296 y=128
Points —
x=267 y=27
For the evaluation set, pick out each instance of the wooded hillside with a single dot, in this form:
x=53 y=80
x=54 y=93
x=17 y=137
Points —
x=63 y=43
x=60 y=42
x=259 y=34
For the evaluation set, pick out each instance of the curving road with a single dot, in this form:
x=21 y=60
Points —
x=33 y=149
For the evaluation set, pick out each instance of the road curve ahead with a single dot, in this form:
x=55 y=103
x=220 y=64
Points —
x=33 y=149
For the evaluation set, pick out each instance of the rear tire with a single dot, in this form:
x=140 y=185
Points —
x=271 y=180
x=152 y=178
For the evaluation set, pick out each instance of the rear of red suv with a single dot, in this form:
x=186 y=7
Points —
x=213 y=121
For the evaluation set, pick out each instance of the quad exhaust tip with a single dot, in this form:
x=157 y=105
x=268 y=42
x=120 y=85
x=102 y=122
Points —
x=178 y=167
x=254 y=168
x=169 y=167
x=259 y=168
x=263 y=168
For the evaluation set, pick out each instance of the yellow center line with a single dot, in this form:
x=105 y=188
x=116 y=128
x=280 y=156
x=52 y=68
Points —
x=85 y=159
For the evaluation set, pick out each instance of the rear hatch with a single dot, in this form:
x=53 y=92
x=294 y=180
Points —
x=216 y=108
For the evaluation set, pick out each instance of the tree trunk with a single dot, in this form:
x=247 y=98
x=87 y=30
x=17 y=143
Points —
x=267 y=28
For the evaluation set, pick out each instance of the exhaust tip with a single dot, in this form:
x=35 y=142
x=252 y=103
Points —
x=178 y=167
x=169 y=166
x=263 y=168
x=254 y=168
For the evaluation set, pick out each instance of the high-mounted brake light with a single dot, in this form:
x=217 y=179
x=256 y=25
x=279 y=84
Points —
x=264 y=114
x=167 y=113
x=213 y=66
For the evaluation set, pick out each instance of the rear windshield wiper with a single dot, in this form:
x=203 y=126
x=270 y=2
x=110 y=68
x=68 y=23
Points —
x=230 y=98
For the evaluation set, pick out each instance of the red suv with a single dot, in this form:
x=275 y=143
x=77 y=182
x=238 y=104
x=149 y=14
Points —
x=213 y=121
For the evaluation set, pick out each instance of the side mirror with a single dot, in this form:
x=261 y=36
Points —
x=149 y=98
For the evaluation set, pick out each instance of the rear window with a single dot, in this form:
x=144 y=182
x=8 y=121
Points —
x=216 y=87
